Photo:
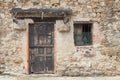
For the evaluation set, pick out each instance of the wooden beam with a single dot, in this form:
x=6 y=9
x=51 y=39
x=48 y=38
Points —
x=34 y=12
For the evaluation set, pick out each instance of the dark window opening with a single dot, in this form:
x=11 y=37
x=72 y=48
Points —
x=82 y=34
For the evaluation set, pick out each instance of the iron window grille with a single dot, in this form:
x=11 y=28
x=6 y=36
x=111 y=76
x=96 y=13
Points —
x=82 y=34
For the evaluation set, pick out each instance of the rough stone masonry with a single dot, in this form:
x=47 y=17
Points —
x=102 y=58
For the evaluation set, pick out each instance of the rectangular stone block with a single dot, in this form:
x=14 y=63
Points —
x=54 y=1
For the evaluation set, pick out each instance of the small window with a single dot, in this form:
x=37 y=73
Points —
x=82 y=34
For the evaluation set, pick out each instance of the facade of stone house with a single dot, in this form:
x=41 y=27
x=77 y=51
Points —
x=60 y=37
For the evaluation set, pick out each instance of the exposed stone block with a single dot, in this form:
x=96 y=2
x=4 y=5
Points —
x=96 y=0
x=2 y=15
x=117 y=26
x=17 y=60
x=110 y=51
x=2 y=69
x=0 y=22
x=54 y=1
x=102 y=4
x=82 y=1
x=2 y=61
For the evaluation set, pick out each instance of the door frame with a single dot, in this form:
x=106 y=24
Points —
x=27 y=65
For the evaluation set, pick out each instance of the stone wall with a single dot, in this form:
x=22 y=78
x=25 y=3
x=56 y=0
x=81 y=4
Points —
x=99 y=59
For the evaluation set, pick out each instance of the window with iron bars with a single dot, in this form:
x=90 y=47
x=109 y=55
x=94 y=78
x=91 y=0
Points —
x=82 y=34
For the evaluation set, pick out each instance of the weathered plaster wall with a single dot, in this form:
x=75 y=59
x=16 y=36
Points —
x=99 y=59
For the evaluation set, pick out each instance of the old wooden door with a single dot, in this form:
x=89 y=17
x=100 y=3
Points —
x=41 y=47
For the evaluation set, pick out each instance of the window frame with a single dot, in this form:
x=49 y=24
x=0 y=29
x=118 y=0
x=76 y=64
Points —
x=91 y=31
